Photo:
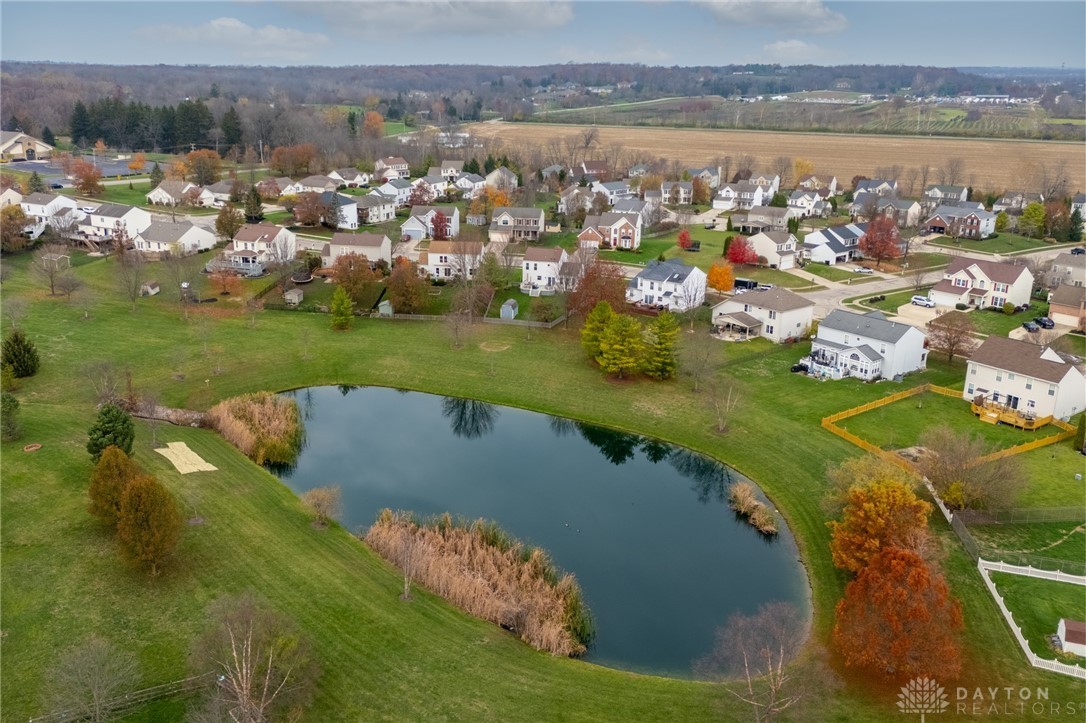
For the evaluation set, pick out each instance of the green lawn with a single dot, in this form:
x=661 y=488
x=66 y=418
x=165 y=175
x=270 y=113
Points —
x=1051 y=473
x=890 y=304
x=1037 y=606
x=135 y=196
x=1054 y=540
x=524 y=303
x=395 y=128
x=383 y=659
x=837 y=273
x=775 y=277
x=1071 y=344
x=1003 y=243
x=992 y=321
x=899 y=425
x=649 y=250
x=927 y=260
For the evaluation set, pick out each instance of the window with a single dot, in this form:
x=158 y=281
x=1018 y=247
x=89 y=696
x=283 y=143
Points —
x=970 y=389
x=1029 y=384
x=973 y=371
x=769 y=330
x=999 y=376
x=1051 y=390
x=1010 y=376
x=772 y=315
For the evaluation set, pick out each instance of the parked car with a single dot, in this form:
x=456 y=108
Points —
x=88 y=209
x=56 y=185
x=1030 y=326
x=711 y=225
x=1044 y=322
x=862 y=270
x=923 y=301
x=800 y=367
x=765 y=287
x=1078 y=251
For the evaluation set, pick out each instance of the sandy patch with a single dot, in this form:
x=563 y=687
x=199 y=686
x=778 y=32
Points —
x=493 y=346
x=184 y=459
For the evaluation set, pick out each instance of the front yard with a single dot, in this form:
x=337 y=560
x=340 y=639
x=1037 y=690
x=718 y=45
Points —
x=1003 y=243
x=838 y=273
x=993 y=321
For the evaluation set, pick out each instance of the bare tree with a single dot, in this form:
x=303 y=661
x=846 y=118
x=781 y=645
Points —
x=781 y=166
x=697 y=356
x=457 y=322
x=919 y=276
x=50 y=262
x=952 y=171
x=910 y=180
x=14 y=310
x=723 y=398
x=952 y=333
x=104 y=380
x=959 y=467
x=325 y=503
x=925 y=174
x=131 y=270
x=757 y=648
x=178 y=269
x=68 y=284
x=148 y=410
x=88 y=678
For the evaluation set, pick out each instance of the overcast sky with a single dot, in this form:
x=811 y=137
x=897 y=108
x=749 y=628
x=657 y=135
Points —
x=653 y=32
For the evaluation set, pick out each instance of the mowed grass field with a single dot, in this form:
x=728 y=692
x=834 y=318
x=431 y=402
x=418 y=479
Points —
x=988 y=163
x=382 y=659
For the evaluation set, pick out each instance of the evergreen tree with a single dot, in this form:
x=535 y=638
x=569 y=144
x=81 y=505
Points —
x=472 y=166
x=660 y=355
x=352 y=123
x=157 y=175
x=231 y=127
x=21 y=354
x=342 y=309
x=489 y=164
x=82 y=125
x=48 y=137
x=149 y=523
x=34 y=184
x=1080 y=434
x=1075 y=231
x=9 y=417
x=621 y=346
x=112 y=427
x=254 y=206
x=595 y=324
x=107 y=483
x=8 y=383
x=13 y=124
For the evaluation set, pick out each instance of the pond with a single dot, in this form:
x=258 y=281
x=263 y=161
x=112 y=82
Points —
x=645 y=526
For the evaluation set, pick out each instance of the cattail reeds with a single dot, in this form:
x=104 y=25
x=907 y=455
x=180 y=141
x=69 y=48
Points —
x=266 y=427
x=743 y=499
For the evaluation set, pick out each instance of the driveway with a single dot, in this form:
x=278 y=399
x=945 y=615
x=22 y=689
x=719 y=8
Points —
x=916 y=315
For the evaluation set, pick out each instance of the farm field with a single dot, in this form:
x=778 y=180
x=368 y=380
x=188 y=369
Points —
x=987 y=163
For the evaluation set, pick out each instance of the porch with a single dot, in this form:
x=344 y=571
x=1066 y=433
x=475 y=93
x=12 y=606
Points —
x=990 y=411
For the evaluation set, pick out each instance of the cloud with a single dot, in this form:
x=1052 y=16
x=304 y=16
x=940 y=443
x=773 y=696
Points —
x=793 y=52
x=806 y=16
x=269 y=43
x=472 y=18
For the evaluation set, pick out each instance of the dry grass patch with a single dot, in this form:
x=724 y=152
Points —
x=493 y=346
x=742 y=499
x=264 y=426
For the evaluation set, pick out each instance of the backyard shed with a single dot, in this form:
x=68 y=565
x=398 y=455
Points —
x=510 y=309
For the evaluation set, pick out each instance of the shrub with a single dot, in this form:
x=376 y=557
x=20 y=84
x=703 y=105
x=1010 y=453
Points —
x=1009 y=308
x=148 y=524
x=743 y=499
x=9 y=417
x=8 y=382
x=264 y=426
x=324 y=502
x=20 y=353
x=112 y=427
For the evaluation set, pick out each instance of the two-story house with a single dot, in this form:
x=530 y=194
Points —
x=805 y=204
x=396 y=189
x=350 y=177
x=502 y=179
x=375 y=247
x=312 y=184
x=906 y=213
x=982 y=283
x=878 y=186
x=575 y=198
x=435 y=184
x=511 y=224
x=710 y=175
x=256 y=247
x=670 y=284
x=469 y=185
x=834 y=245
x=391 y=167
x=960 y=222
x=613 y=190
x=541 y=270
x=938 y=194
x=816 y=182
x=778 y=248
x=771 y=182
x=1014 y=202
x=451 y=169
x=592 y=170
x=1068 y=269
x=451 y=259
x=762 y=218
x=741 y=195
x=1036 y=381
x=375 y=208
x=677 y=193
x=177 y=193
x=867 y=346
x=1067 y=306
x=44 y=206
x=181 y=238
x=420 y=224
x=342 y=211
x=776 y=314
x=611 y=230
x=104 y=221
x=634 y=205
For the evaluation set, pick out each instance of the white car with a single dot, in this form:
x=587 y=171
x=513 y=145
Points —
x=88 y=209
x=923 y=301
x=862 y=270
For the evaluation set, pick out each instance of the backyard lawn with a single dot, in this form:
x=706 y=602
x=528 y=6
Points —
x=1003 y=243
x=1051 y=473
x=1037 y=606
x=1053 y=540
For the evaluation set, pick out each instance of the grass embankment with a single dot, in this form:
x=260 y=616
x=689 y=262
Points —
x=481 y=569
x=382 y=659
x=1037 y=606
x=266 y=427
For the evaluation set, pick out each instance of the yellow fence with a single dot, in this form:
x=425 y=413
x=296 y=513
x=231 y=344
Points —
x=829 y=423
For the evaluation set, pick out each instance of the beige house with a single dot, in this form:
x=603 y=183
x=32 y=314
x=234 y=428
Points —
x=1030 y=379
x=391 y=167
x=374 y=246
x=451 y=259
x=516 y=224
x=1067 y=306
x=776 y=314
x=18 y=146
x=1068 y=269
x=778 y=248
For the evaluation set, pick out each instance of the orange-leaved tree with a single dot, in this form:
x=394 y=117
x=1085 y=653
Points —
x=373 y=124
x=137 y=163
x=881 y=514
x=721 y=276
x=149 y=522
x=353 y=273
x=898 y=619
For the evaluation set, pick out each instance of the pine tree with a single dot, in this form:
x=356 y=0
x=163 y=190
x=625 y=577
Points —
x=48 y=137
x=254 y=206
x=660 y=355
x=81 y=124
x=112 y=427
x=34 y=184
x=107 y=484
x=9 y=417
x=149 y=524
x=1080 y=434
x=342 y=309
x=352 y=123
x=621 y=346
x=157 y=175
x=1075 y=230
x=595 y=324
x=231 y=127
x=21 y=354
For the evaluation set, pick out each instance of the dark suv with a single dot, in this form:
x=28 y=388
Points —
x=1044 y=322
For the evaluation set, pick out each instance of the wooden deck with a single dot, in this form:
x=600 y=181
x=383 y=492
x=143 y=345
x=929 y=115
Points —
x=997 y=414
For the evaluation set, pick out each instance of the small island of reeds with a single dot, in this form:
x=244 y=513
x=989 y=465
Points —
x=486 y=572
x=266 y=427
x=743 y=499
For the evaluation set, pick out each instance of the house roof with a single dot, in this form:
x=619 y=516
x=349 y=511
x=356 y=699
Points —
x=744 y=319
x=392 y=161
x=399 y=183
x=628 y=205
x=945 y=190
x=902 y=204
x=319 y=181
x=1064 y=259
x=359 y=239
x=947 y=286
x=348 y=172
x=226 y=186
x=173 y=188
x=165 y=231
x=326 y=198
x=948 y=212
x=470 y=177
x=371 y=200
x=672 y=270
x=615 y=186
x=40 y=198
x=1003 y=273
x=518 y=212
x=112 y=210
x=872 y=325
x=1067 y=295
x=768 y=211
x=536 y=253
x=454 y=165
x=777 y=237
x=257 y=232
x=509 y=303
x=776 y=299
x=1020 y=357
x=1074 y=631
x=595 y=166
x=471 y=248
x=423 y=210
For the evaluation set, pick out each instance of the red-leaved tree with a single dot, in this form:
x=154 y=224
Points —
x=898 y=619
x=882 y=240
x=740 y=251
x=441 y=226
x=684 y=239
x=602 y=281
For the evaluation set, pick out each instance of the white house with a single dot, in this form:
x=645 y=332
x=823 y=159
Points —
x=435 y=184
x=834 y=245
x=182 y=237
x=375 y=208
x=515 y=224
x=709 y=175
x=420 y=224
x=177 y=193
x=502 y=179
x=374 y=246
x=396 y=189
x=761 y=218
x=677 y=193
x=470 y=185
x=804 y=204
x=103 y=221
x=451 y=170
x=981 y=283
x=221 y=191
x=342 y=210
x=451 y=259
x=10 y=197
x=866 y=346
x=961 y=222
x=777 y=247
x=312 y=184
x=878 y=186
x=613 y=190
x=668 y=284
x=1015 y=201
x=350 y=177
x=256 y=246
x=776 y=314
x=742 y=195
x=815 y=182
x=611 y=230
x=391 y=167
x=43 y=206
x=771 y=182
x=1072 y=635
x=573 y=199
x=1034 y=380
x=938 y=194
x=540 y=270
